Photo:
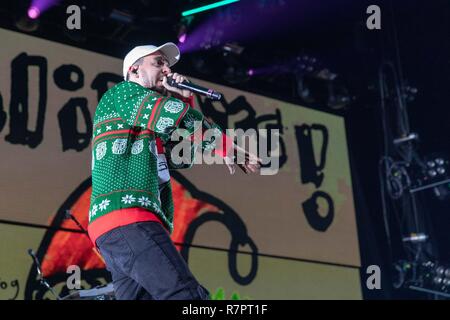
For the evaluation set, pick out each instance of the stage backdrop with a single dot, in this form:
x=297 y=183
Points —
x=291 y=235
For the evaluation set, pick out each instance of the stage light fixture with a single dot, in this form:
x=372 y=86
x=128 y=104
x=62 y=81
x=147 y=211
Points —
x=207 y=7
x=27 y=24
x=34 y=12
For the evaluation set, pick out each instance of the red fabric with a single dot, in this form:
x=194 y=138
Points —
x=227 y=144
x=190 y=101
x=159 y=145
x=118 y=218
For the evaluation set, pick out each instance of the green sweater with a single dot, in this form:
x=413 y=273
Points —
x=125 y=162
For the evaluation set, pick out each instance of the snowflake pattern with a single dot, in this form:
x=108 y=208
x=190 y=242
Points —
x=106 y=117
x=144 y=201
x=128 y=199
x=128 y=101
x=101 y=150
x=137 y=105
x=155 y=207
x=137 y=147
x=105 y=203
x=93 y=212
x=173 y=106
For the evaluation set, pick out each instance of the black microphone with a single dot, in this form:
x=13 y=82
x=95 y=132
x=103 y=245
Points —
x=210 y=93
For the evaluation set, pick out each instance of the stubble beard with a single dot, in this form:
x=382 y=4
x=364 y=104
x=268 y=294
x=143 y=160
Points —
x=147 y=84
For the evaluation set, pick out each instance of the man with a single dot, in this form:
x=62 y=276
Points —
x=131 y=211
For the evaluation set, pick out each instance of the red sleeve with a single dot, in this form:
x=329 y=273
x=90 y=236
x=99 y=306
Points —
x=225 y=145
x=190 y=101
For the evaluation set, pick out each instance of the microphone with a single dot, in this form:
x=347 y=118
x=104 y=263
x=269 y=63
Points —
x=209 y=93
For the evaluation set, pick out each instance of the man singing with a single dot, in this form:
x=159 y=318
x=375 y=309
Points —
x=131 y=210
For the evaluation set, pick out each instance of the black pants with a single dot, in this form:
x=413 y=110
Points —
x=145 y=265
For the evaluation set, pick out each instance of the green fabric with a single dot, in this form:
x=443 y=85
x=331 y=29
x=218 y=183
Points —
x=127 y=121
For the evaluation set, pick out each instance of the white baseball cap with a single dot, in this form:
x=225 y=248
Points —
x=169 y=49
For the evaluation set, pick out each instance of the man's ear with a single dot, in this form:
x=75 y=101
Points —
x=134 y=70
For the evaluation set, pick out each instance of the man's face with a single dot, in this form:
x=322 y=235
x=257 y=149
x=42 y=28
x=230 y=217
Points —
x=153 y=69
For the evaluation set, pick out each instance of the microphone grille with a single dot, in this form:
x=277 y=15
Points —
x=171 y=81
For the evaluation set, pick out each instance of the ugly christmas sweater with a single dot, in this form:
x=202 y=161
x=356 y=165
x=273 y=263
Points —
x=130 y=170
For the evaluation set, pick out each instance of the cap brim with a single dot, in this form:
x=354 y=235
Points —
x=171 y=51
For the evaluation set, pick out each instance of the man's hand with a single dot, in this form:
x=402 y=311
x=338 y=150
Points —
x=248 y=162
x=178 y=78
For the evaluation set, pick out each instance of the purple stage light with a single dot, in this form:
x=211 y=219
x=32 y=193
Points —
x=182 y=38
x=33 y=12
x=255 y=18
x=251 y=72
x=37 y=7
x=234 y=23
